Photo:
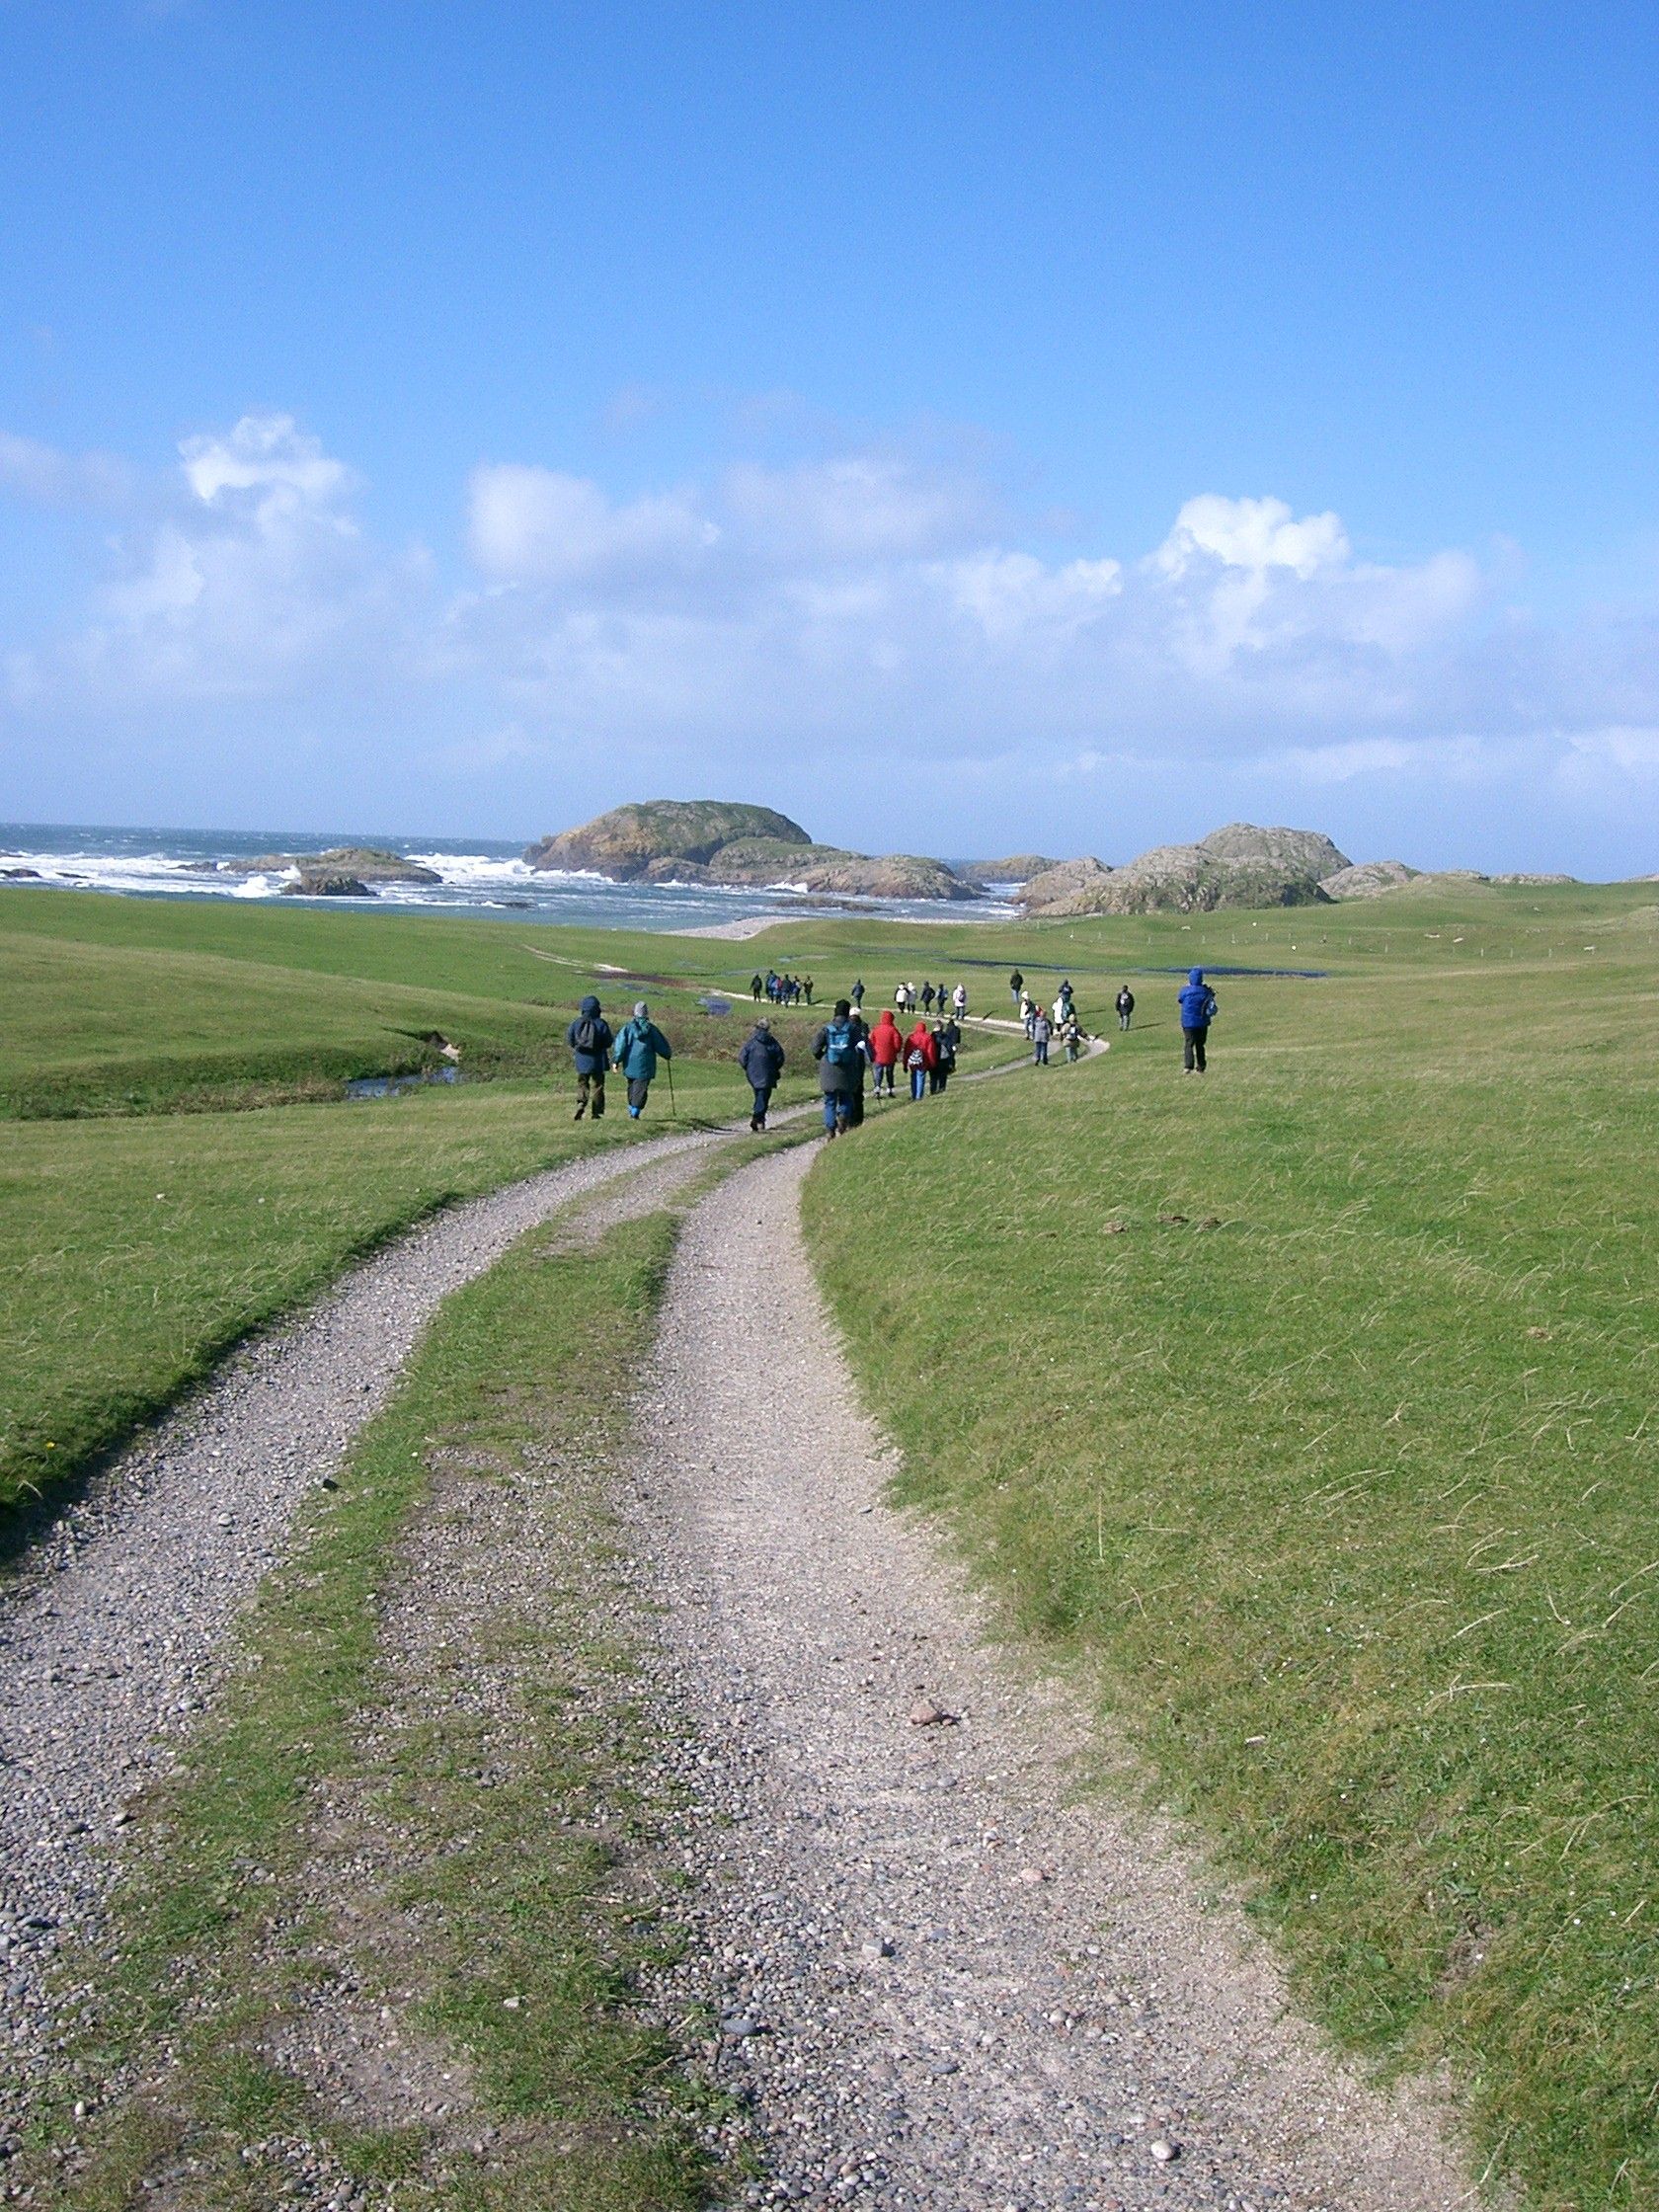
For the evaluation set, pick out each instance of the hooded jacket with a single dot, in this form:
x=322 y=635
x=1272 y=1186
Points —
x=590 y=1062
x=639 y=1047
x=761 y=1059
x=885 y=1044
x=1197 y=1001
x=921 y=1039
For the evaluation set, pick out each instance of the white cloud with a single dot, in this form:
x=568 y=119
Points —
x=858 y=506
x=864 y=612
x=266 y=455
x=41 y=472
x=1252 y=534
x=539 y=524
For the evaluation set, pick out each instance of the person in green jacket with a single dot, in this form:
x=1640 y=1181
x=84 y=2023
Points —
x=639 y=1047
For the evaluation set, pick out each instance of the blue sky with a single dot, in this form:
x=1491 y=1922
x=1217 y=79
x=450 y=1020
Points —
x=965 y=426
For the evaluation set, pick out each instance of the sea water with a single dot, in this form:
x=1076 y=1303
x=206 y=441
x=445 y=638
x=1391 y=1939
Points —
x=479 y=877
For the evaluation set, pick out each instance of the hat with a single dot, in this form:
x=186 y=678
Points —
x=762 y=1023
x=641 y=1009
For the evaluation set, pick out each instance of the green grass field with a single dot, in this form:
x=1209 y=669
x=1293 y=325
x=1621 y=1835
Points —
x=1308 y=1405
x=150 y=1215
x=1312 y=1402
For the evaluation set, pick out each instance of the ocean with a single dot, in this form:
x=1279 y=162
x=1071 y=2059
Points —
x=479 y=877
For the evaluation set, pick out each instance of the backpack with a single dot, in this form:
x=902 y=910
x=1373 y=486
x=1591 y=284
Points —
x=586 y=1034
x=915 y=1057
x=839 y=1049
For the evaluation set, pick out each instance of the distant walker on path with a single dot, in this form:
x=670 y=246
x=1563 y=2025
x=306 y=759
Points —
x=1199 y=1009
x=1125 y=1005
x=590 y=1038
x=639 y=1047
x=761 y=1060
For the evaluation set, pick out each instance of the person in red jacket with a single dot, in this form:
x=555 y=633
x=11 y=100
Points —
x=885 y=1047
x=922 y=1057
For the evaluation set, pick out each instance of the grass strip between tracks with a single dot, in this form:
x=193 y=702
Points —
x=360 y=1831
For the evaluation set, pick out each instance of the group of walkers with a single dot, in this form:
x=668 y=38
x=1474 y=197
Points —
x=848 y=1051
x=634 y=1052
x=782 y=991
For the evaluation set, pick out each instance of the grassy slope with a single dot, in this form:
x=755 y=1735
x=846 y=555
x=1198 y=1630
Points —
x=136 y=1243
x=515 y=1888
x=1351 y=1495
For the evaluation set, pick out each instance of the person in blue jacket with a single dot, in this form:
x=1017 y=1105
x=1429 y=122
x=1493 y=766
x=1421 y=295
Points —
x=590 y=1038
x=761 y=1060
x=1199 y=1009
x=639 y=1047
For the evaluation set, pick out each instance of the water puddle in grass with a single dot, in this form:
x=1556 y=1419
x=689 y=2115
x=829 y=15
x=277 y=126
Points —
x=394 y=1086
x=711 y=1004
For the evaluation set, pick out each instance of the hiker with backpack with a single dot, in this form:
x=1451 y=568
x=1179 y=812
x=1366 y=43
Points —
x=928 y=998
x=1125 y=1005
x=1041 y=1029
x=922 y=1057
x=959 y=1003
x=1072 y=1036
x=885 y=1047
x=946 y=1038
x=841 y=1067
x=761 y=1059
x=1199 y=1008
x=856 y=995
x=638 y=1049
x=861 y=1037
x=590 y=1040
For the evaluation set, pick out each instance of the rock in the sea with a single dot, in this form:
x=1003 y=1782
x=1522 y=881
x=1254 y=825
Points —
x=622 y=843
x=709 y=840
x=21 y=875
x=1018 y=867
x=327 y=883
x=366 y=864
x=1366 y=878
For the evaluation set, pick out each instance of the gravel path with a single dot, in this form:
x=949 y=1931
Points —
x=112 y=1637
x=945 y=1979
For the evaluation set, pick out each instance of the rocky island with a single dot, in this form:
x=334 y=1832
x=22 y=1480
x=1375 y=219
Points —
x=719 y=841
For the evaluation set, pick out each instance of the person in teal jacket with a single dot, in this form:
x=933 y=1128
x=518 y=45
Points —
x=640 y=1045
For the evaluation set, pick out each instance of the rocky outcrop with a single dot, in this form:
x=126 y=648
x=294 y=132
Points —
x=1184 y=879
x=1286 y=852
x=674 y=840
x=1018 y=867
x=328 y=883
x=1366 y=878
x=1065 y=887
x=366 y=864
x=1528 y=876
x=623 y=843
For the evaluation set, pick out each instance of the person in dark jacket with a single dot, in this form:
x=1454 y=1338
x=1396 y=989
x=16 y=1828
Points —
x=761 y=1060
x=946 y=1038
x=1040 y=1031
x=590 y=1040
x=638 y=1049
x=1125 y=1005
x=1199 y=1009
x=757 y=987
x=1016 y=984
x=856 y=994
x=839 y=1053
